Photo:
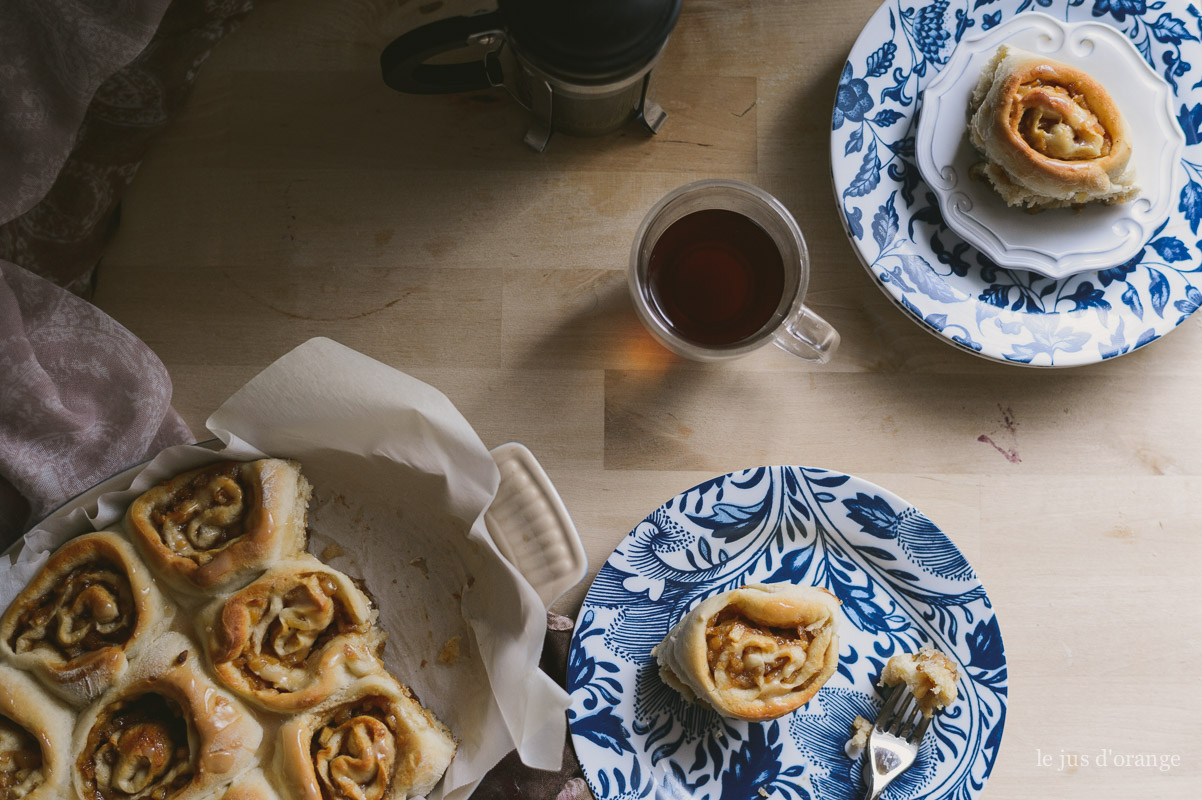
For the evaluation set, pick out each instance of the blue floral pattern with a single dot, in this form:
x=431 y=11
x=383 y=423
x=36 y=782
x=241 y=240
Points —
x=902 y=584
x=895 y=224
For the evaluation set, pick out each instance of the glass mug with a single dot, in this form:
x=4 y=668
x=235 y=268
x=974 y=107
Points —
x=719 y=268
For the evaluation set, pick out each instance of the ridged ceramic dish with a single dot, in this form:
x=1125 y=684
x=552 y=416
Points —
x=1063 y=241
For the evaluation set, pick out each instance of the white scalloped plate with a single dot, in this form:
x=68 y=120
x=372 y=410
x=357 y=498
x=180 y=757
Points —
x=1055 y=242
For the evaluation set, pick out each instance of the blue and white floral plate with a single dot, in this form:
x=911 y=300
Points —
x=895 y=225
x=902 y=584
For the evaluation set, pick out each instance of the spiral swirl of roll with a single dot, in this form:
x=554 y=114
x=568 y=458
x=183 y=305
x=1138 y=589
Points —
x=166 y=732
x=756 y=652
x=35 y=739
x=294 y=636
x=354 y=753
x=138 y=748
x=1056 y=119
x=216 y=527
x=373 y=741
x=91 y=608
x=20 y=760
x=1050 y=134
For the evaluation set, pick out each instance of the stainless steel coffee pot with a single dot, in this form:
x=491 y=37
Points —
x=582 y=67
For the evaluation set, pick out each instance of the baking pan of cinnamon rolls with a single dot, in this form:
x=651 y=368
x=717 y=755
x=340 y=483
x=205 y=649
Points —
x=200 y=653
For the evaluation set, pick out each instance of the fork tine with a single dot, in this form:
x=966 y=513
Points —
x=920 y=731
x=903 y=715
x=913 y=719
x=885 y=716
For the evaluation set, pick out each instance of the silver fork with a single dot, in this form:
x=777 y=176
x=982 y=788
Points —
x=893 y=743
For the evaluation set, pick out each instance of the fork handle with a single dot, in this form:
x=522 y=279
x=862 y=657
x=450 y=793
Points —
x=874 y=791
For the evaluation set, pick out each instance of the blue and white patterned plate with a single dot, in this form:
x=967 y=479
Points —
x=951 y=289
x=902 y=583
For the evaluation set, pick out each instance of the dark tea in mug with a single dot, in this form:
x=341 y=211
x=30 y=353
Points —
x=716 y=277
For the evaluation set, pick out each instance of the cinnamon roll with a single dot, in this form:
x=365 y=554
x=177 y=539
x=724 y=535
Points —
x=754 y=653
x=1051 y=134
x=371 y=742
x=251 y=786
x=166 y=733
x=91 y=608
x=35 y=737
x=291 y=638
x=217 y=527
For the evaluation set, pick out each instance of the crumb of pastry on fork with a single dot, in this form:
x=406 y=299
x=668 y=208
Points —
x=930 y=675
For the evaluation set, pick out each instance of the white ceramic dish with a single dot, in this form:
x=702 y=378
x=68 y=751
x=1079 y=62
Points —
x=527 y=521
x=1056 y=242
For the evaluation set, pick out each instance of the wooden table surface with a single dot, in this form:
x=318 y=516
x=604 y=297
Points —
x=300 y=197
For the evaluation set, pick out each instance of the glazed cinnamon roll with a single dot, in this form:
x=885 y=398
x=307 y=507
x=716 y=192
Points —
x=1051 y=135
x=293 y=637
x=754 y=653
x=35 y=737
x=372 y=742
x=217 y=527
x=91 y=608
x=167 y=733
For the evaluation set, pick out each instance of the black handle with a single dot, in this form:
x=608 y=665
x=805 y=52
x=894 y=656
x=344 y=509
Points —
x=404 y=61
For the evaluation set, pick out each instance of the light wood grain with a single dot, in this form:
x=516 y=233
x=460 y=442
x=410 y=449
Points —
x=299 y=197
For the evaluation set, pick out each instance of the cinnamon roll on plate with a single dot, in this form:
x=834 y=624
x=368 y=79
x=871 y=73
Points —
x=35 y=739
x=293 y=637
x=166 y=731
x=91 y=609
x=373 y=741
x=1050 y=134
x=754 y=653
x=219 y=526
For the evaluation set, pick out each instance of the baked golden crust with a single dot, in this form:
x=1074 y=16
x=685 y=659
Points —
x=35 y=739
x=373 y=741
x=167 y=732
x=91 y=608
x=293 y=637
x=756 y=652
x=1051 y=134
x=217 y=527
x=251 y=786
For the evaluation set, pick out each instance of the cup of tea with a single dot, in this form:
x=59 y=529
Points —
x=719 y=268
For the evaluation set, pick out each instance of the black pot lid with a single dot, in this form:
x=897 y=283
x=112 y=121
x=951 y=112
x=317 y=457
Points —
x=589 y=38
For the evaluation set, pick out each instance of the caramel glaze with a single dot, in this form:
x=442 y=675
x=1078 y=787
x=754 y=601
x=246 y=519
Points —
x=20 y=760
x=146 y=735
x=92 y=607
x=1055 y=94
x=251 y=662
x=228 y=519
x=359 y=738
x=730 y=626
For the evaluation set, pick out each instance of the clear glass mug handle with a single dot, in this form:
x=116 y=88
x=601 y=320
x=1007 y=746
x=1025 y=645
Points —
x=808 y=336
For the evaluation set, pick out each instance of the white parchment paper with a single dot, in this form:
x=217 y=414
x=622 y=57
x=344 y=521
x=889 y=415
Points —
x=401 y=482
